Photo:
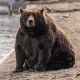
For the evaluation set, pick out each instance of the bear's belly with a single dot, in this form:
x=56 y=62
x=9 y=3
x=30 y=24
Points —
x=31 y=48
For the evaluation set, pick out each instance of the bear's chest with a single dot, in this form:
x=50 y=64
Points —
x=31 y=46
x=35 y=43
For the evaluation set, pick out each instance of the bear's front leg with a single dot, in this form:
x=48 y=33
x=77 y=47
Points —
x=44 y=55
x=20 y=58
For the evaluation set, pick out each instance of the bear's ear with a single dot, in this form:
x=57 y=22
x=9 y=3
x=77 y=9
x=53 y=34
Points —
x=21 y=10
x=42 y=10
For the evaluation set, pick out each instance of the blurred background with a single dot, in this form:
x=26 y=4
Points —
x=9 y=17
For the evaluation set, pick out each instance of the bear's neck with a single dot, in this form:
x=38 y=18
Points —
x=36 y=32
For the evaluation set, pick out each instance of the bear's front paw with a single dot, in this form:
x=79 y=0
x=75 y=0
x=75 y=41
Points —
x=19 y=70
x=39 y=68
x=31 y=70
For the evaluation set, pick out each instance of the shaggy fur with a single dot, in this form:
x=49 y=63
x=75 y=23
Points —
x=43 y=46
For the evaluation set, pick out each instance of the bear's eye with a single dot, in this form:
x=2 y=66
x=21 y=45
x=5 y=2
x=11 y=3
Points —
x=31 y=14
x=34 y=15
x=27 y=15
x=24 y=18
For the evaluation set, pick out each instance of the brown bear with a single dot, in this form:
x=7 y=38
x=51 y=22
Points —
x=40 y=44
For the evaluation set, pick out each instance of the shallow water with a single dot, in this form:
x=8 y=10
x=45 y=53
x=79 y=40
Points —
x=8 y=28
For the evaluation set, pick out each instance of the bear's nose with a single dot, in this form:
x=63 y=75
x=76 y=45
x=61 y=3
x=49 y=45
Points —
x=30 y=21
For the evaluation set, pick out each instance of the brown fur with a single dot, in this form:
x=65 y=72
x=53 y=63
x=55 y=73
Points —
x=43 y=46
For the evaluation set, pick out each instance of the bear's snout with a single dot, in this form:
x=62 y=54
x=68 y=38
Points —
x=30 y=21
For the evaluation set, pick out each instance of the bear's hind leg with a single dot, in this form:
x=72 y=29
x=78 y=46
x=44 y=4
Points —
x=70 y=58
x=63 y=60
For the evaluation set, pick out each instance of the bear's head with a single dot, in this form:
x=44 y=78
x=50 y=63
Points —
x=31 y=18
x=33 y=21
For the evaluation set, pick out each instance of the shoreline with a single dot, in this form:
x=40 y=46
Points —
x=6 y=57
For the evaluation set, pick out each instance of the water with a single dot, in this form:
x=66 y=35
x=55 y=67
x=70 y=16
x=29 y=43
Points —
x=8 y=28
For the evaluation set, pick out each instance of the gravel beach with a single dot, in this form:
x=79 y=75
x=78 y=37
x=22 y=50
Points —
x=70 y=23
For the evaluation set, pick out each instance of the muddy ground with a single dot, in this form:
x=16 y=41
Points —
x=70 y=23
